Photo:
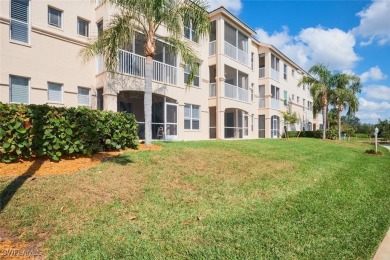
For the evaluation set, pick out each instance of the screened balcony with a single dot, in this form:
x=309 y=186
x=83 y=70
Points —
x=236 y=44
x=275 y=98
x=236 y=84
x=132 y=62
x=236 y=123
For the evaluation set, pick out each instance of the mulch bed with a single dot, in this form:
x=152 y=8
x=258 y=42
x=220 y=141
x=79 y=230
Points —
x=67 y=165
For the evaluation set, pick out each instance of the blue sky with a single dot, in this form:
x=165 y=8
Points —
x=350 y=36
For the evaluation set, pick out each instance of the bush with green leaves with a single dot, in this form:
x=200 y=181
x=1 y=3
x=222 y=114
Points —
x=41 y=130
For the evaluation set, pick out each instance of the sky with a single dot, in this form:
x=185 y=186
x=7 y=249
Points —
x=350 y=36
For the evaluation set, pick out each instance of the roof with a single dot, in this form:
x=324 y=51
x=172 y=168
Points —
x=223 y=10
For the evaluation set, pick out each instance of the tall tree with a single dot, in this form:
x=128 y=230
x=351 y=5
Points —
x=147 y=17
x=343 y=96
x=320 y=82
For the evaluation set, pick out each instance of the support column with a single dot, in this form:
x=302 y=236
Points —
x=110 y=99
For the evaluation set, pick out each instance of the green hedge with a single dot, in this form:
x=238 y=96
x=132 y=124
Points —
x=41 y=130
x=330 y=134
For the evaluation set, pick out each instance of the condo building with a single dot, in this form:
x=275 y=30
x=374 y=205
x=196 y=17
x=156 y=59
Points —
x=241 y=89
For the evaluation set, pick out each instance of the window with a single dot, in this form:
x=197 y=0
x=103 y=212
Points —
x=252 y=60
x=292 y=97
x=285 y=98
x=274 y=92
x=54 y=92
x=189 y=31
x=191 y=117
x=293 y=73
x=252 y=119
x=82 y=27
x=213 y=31
x=187 y=75
x=262 y=96
x=274 y=62
x=252 y=94
x=304 y=86
x=304 y=104
x=285 y=71
x=297 y=99
x=55 y=17
x=19 y=22
x=20 y=90
x=83 y=96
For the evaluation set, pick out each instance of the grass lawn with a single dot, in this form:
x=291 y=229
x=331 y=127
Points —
x=260 y=199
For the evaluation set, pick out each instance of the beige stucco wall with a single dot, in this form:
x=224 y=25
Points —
x=53 y=56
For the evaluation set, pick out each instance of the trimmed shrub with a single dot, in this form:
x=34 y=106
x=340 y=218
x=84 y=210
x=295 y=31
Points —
x=42 y=130
x=330 y=134
x=362 y=135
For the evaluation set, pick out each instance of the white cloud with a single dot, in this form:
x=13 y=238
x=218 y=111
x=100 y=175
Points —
x=232 y=5
x=377 y=92
x=373 y=74
x=332 y=47
x=370 y=111
x=374 y=23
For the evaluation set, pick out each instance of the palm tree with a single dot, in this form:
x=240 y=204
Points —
x=320 y=82
x=147 y=17
x=344 y=95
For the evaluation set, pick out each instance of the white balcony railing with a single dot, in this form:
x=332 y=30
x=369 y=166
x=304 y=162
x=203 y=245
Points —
x=235 y=53
x=242 y=57
x=236 y=93
x=275 y=74
x=164 y=73
x=212 y=48
x=261 y=102
x=131 y=64
x=275 y=103
x=213 y=90
x=261 y=72
x=134 y=65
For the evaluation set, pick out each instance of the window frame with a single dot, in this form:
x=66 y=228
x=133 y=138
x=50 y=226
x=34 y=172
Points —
x=62 y=92
x=285 y=69
x=89 y=96
x=28 y=23
x=186 y=72
x=191 y=118
x=191 y=31
x=60 y=18
x=87 y=22
x=28 y=89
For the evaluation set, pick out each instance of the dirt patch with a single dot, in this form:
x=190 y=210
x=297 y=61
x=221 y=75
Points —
x=12 y=248
x=67 y=165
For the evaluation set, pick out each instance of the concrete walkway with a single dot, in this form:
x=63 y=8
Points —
x=383 y=252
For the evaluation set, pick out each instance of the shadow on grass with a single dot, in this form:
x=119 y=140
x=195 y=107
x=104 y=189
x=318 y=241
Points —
x=9 y=191
x=122 y=159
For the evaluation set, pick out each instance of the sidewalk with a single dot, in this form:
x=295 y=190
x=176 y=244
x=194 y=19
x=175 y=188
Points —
x=383 y=252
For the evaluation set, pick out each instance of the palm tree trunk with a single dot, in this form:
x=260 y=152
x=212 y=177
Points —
x=324 y=115
x=148 y=100
x=339 y=124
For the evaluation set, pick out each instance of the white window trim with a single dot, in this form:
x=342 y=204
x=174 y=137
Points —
x=62 y=93
x=62 y=17
x=200 y=79
x=89 y=97
x=191 y=30
x=28 y=88
x=88 y=23
x=191 y=118
x=28 y=43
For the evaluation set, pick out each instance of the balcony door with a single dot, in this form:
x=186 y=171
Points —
x=170 y=121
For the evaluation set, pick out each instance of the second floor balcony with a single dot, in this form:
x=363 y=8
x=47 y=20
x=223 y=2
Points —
x=275 y=103
x=235 y=53
x=236 y=92
x=134 y=65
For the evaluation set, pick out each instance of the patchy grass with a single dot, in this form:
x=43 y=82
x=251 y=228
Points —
x=295 y=199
